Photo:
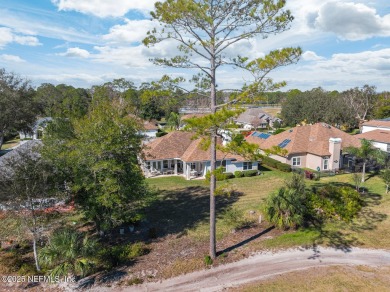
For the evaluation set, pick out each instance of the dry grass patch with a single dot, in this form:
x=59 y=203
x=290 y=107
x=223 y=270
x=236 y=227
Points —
x=360 y=278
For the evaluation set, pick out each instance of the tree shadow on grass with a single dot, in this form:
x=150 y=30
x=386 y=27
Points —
x=177 y=211
x=246 y=241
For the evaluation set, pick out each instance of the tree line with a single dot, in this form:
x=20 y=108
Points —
x=345 y=109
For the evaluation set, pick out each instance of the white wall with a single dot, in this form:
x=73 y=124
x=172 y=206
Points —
x=372 y=128
x=381 y=146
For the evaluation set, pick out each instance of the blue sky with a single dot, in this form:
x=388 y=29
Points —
x=89 y=42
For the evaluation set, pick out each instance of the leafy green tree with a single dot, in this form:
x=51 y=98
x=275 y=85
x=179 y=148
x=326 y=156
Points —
x=17 y=106
x=62 y=100
x=366 y=152
x=204 y=30
x=382 y=106
x=68 y=252
x=28 y=185
x=174 y=121
x=99 y=155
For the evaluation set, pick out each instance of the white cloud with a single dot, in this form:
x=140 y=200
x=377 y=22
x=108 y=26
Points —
x=11 y=58
x=75 y=53
x=352 y=21
x=104 y=8
x=7 y=36
x=132 y=31
x=311 y=56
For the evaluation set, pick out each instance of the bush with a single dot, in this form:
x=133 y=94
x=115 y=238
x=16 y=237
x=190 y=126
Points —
x=270 y=162
x=219 y=174
x=248 y=173
x=235 y=218
x=284 y=167
x=208 y=261
x=136 y=250
x=229 y=175
x=238 y=174
x=160 y=134
x=278 y=131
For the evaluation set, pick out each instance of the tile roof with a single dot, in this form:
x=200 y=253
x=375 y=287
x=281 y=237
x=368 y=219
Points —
x=376 y=135
x=307 y=139
x=179 y=144
x=377 y=123
x=172 y=145
x=150 y=125
x=253 y=115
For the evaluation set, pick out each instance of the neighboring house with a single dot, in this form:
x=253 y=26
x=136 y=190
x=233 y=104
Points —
x=150 y=129
x=255 y=118
x=178 y=154
x=376 y=125
x=380 y=138
x=183 y=118
x=37 y=130
x=319 y=146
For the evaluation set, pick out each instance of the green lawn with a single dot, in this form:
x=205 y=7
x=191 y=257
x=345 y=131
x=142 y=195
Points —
x=10 y=144
x=370 y=229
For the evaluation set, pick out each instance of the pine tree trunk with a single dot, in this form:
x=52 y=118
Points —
x=213 y=159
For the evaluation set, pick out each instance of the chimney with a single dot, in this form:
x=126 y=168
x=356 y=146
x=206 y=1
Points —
x=335 y=150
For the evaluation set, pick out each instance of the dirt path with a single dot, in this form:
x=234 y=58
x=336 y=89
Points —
x=263 y=266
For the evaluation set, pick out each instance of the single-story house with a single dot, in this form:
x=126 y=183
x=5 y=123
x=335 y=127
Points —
x=319 y=146
x=177 y=153
x=254 y=118
x=380 y=138
x=37 y=130
x=372 y=125
x=150 y=129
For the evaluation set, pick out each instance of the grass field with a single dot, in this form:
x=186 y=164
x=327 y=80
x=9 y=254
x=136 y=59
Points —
x=370 y=229
x=10 y=144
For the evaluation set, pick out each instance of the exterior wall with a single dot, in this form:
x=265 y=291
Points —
x=149 y=134
x=380 y=145
x=335 y=151
x=279 y=158
x=232 y=166
x=289 y=160
x=314 y=161
x=372 y=128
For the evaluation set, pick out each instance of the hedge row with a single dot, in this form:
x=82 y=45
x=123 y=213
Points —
x=276 y=164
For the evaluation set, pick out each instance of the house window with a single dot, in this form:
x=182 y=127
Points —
x=147 y=164
x=165 y=163
x=296 y=161
x=326 y=164
x=193 y=166
x=247 y=165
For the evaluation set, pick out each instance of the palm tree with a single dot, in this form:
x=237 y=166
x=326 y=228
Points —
x=285 y=208
x=174 y=121
x=68 y=252
x=366 y=152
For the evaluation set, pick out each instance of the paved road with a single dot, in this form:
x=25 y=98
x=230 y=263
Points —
x=266 y=265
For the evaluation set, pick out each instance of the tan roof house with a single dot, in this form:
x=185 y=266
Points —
x=379 y=138
x=317 y=146
x=179 y=154
x=376 y=125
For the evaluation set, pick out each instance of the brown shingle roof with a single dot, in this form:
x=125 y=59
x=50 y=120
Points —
x=150 y=125
x=376 y=135
x=179 y=144
x=307 y=139
x=377 y=123
x=252 y=115
x=172 y=145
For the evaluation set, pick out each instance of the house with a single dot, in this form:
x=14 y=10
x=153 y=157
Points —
x=254 y=118
x=37 y=130
x=376 y=125
x=379 y=138
x=319 y=146
x=177 y=153
x=150 y=129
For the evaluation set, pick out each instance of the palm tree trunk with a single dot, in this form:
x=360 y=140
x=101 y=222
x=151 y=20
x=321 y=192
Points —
x=363 y=171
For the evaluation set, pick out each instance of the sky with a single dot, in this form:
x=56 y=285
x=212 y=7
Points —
x=82 y=43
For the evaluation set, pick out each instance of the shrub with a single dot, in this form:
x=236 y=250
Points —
x=238 y=174
x=208 y=261
x=134 y=281
x=248 y=173
x=235 y=218
x=270 y=161
x=278 y=131
x=10 y=261
x=219 y=174
x=160 y=134
x=284 y=167
x=333 y=202
x=229 y=175
x=136 y=250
